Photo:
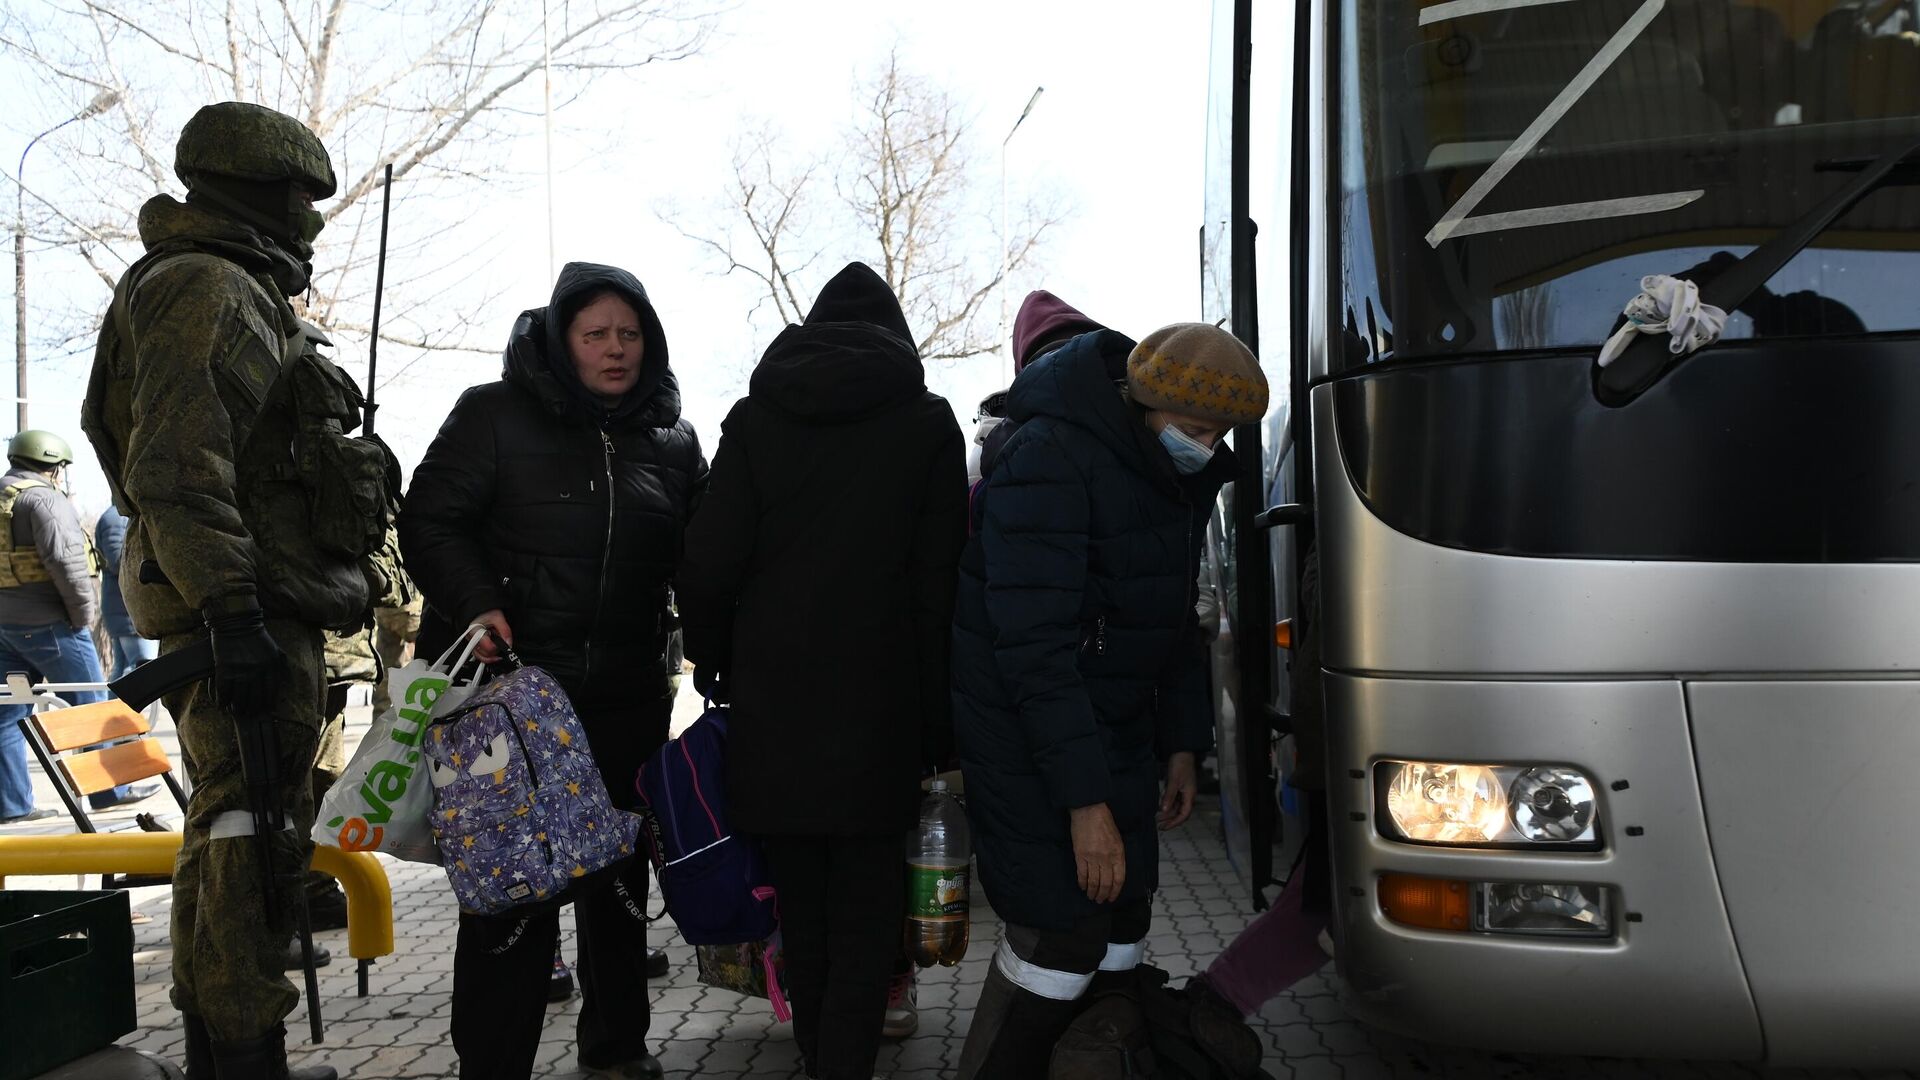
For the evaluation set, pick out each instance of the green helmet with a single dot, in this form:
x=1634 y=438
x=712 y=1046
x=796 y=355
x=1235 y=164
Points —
x=40 y=447
x=252 y=142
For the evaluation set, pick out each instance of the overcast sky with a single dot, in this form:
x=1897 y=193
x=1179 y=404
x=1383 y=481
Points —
x=1117 y=137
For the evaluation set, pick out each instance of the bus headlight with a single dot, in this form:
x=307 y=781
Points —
x=1552 y=804
x=1447 y=804
x=1524 y=805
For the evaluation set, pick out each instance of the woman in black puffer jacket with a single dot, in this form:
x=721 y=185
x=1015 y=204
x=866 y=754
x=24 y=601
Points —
x=1079 y=672
x=551 y=507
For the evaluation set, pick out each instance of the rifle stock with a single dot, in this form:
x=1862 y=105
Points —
x=172 y=671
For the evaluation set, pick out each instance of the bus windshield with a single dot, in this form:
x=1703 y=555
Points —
x=1510 y=169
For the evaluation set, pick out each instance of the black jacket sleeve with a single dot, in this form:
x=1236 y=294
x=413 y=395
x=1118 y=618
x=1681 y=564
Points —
x=441 y=527
x=1034 y=536
x=719 y=548
x=933 y=570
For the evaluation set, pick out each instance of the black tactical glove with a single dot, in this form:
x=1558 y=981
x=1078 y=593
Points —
x=248 y=667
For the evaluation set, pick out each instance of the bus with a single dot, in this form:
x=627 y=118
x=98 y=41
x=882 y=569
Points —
x=1621 y=663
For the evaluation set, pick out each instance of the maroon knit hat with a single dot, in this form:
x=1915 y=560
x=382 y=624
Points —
x=1044 y=319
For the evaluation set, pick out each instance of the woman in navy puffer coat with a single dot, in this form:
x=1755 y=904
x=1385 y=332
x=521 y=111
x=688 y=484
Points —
x=1078 y=667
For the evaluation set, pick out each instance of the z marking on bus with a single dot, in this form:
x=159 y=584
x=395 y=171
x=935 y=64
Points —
x=1456 y=9
x=1455 y=221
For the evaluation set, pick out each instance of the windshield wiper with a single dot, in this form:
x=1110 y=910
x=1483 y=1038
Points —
x=1648 y=358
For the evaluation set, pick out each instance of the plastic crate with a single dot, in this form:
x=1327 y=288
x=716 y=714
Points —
x=66 y=977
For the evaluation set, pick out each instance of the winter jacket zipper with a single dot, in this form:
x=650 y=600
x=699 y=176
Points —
x=1098 y=641
x=606 y=555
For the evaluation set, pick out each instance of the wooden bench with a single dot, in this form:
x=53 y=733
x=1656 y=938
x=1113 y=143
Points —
x=54 y=733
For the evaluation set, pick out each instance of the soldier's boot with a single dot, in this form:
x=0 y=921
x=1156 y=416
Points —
x=199 y=1048
x=294 y=959
x=264 y=1058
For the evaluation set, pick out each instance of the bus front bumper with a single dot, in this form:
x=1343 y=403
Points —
x=1752 y=844
x=1667 y=981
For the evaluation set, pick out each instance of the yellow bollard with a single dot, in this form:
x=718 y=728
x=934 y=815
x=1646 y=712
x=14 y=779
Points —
x=369 y=895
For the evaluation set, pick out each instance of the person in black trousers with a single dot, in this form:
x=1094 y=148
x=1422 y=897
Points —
x=550 y=507
x=817 y=595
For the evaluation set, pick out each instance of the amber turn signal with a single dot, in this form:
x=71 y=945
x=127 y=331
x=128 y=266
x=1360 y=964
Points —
x=1426 y=903
x=1283 y=633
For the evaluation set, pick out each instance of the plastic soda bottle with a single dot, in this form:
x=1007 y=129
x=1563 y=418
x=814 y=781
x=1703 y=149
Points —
x=938 y=855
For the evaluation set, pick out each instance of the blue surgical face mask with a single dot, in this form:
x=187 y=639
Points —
x=1189 y=454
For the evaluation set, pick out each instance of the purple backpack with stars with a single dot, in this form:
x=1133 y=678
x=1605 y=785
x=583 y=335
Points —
x=520 y=814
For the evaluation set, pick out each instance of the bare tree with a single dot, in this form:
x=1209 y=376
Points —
x=439 y=89
x=906 y=195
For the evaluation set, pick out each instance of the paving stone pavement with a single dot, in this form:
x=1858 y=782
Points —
x=400 y=1029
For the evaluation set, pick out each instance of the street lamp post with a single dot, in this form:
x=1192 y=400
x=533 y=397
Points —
x=1006 y=256
x=102 y=101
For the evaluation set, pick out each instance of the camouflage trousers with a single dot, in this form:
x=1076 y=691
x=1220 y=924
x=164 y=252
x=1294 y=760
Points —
x=230 y=933
x=394 y=632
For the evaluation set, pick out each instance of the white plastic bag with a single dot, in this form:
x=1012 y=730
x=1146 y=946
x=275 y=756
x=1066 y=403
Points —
x=383 y=799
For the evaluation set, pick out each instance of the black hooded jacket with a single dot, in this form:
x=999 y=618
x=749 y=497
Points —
x=537 y=499
x=1078 y=664
x=820 y=570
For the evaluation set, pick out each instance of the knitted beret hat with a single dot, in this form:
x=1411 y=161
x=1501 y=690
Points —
x=1198 y=370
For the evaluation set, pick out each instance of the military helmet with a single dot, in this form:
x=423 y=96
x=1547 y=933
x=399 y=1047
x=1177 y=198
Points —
x=40 y=447
x=252 y=142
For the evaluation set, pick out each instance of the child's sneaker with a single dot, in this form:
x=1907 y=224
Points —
x=560 y=988
x=903 y=1019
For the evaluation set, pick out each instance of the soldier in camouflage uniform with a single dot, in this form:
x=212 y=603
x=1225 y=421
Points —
x=396 y=619
x=220 y=427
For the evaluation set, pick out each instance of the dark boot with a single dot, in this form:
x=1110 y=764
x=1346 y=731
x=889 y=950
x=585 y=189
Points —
x=1013 y=1032
x=264 y=1058
x=656 y=963
x=295 y=961
x=327 y=907
x=199 y=1048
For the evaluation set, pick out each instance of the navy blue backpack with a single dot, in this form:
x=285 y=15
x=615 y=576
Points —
x=715 y=882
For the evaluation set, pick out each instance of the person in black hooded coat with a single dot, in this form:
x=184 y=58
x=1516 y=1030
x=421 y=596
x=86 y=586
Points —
x=551 y=506
x=1079 y=672
x=818 y=589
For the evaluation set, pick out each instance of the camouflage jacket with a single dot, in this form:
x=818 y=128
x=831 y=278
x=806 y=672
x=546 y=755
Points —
x=216 y=449
x=350 y=657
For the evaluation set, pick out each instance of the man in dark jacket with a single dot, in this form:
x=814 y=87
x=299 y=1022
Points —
x=551 y=507
x=827 y=546
x=1079 y=669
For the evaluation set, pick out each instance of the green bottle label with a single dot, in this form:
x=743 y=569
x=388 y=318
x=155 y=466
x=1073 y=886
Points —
x=936 y=893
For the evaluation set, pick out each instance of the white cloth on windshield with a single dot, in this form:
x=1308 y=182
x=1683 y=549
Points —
x=1667 y=305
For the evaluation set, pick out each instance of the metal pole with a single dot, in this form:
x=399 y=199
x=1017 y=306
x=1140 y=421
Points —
x=546 y=65
x=104 y=100
x=20 y=275
x=20 y=301
x=1006 y=254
